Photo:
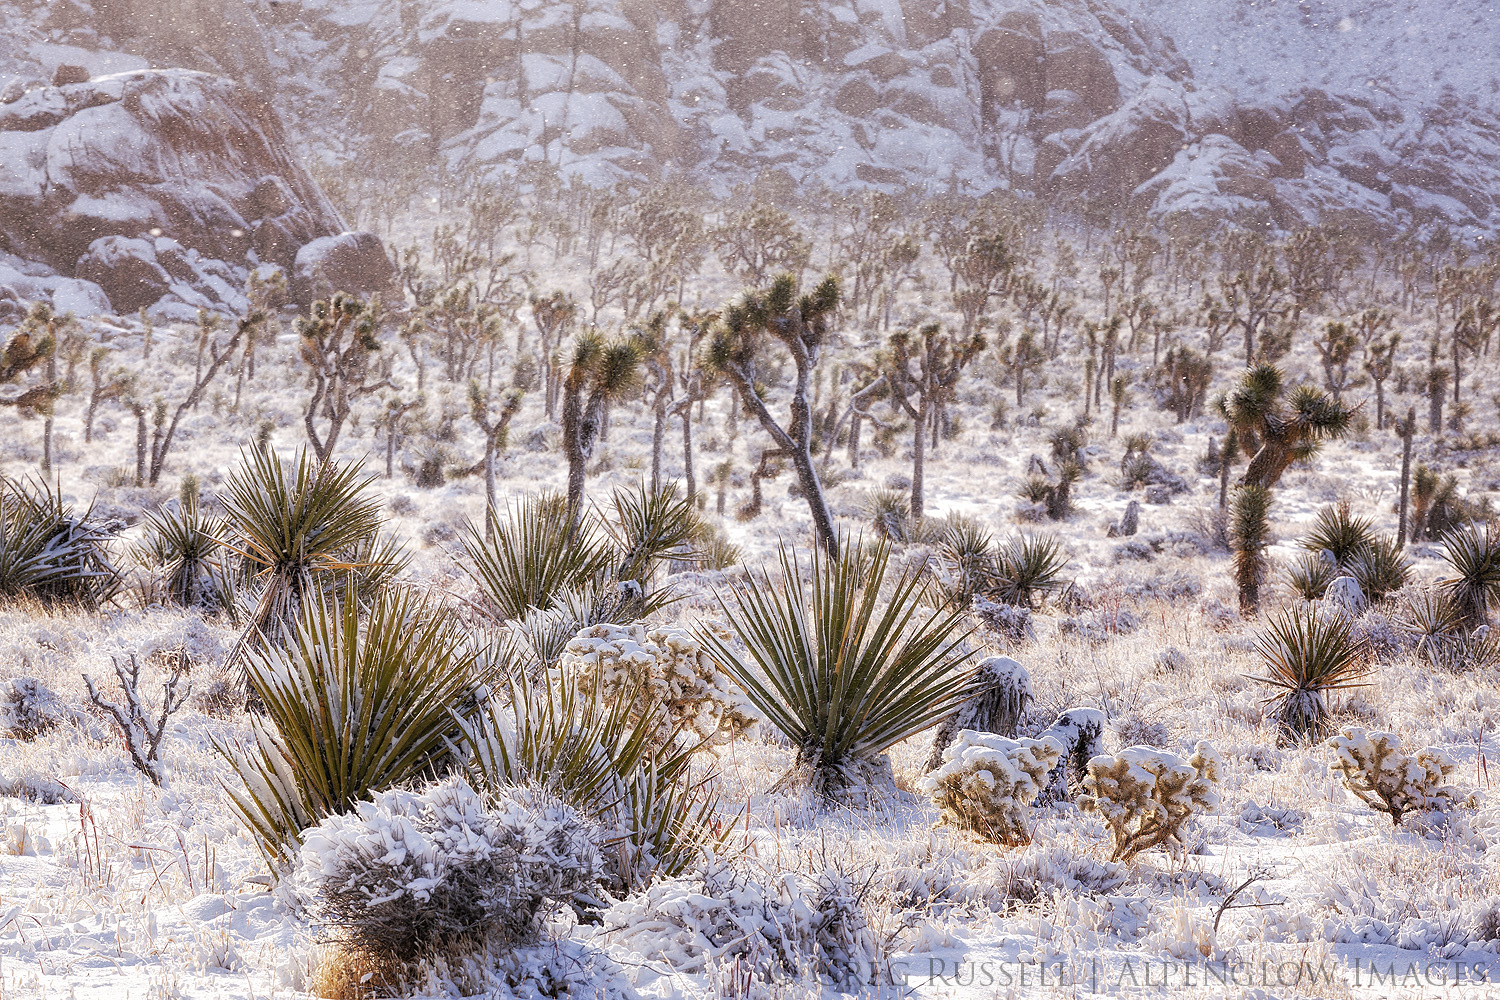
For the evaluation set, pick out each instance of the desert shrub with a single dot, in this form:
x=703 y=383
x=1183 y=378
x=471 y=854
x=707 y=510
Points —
x=670 y=675
x=1148 y=795
x=1011 y=622
x=986 y=783
x=840 y=675
x=762 y=926
x=28 y=708
x=49 y=551
x=1386 y=778
x=1474 y=556
x=350 y=708
x=1308 y=656
x=410 y=873
x=608 y=757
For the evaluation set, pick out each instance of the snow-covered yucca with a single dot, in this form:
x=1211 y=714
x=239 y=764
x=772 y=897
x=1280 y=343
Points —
x=1387 y=778
x=408 y=872
x=987 y=783
x=770 y=926
x=670 y=674
x=1147 y=795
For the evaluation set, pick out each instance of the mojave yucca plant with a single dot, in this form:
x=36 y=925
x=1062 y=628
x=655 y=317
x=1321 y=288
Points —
x=1308 y=656
x=842 y=674
x=350 y=708
x=548 y=728
x=304 y=527
x=49 y=551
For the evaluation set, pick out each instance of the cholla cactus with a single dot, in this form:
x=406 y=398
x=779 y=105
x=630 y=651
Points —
x=413 y=871
x=670 y=673
x=1386 y=778
x=1147 y=795
x=987 y=783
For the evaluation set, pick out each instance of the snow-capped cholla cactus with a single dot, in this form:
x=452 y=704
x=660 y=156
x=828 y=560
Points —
x=1386 y=778
x=670 y=673
x=1147 y=795
x=1004 y=692
x=987 y=783
x=409 y=872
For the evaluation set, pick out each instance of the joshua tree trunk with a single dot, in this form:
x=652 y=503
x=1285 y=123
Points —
x=684 y=409
x=919 y=458
x=1407 y=428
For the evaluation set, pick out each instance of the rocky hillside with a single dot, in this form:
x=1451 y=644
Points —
x=1085 y=101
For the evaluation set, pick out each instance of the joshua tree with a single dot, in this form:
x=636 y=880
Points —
x=1182 y=381
x=393 y=422
x=29 y=348
x=1117 y=389
x=600 y=372
x=1380 y=361
x=553 y=315
x=1252 y=297
x=739 y=352
x=760 y=240
x=494 y=427
x=926 y=365
x=1336 y=349
x=1276 y=428
x=338 y=345
x=1437 y=394
x=980 y=272
x=1022 y=358
x=103 y=387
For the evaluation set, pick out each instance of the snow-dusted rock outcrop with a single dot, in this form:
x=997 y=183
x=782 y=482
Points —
x=147 y=180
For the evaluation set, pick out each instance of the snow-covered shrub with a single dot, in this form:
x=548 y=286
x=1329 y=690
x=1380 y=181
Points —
x=1080 y=733
x=28 y=708
x=1388 y=779
x=670 y=674
x=1147 y=795
x=409 y=872
x=772 y=927
x=1004 y=691
x=987 y=783
x=1008 y=620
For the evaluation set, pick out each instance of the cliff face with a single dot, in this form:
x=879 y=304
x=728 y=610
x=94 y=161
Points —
x=1083 y=100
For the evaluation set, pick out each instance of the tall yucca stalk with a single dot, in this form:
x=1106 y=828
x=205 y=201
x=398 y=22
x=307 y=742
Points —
x=1249 y=531
x=843 y=677
x=1308 y=656
x=300 y=528
x=349 y=709
x=1474 y=555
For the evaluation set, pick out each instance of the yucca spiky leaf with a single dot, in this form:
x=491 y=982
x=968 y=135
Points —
x=348 y=709
x=1474 y=555
x=1310 y=574
x=649 y=527
x=1381 y=567
x=1339 y=531
x=533 y=554
x=1029 y=567
x=550 y=730
x=185 y=546
x=51 y=552
x=1307 y=656
x=300 y=526
x=841 y=676
x=968 y=554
